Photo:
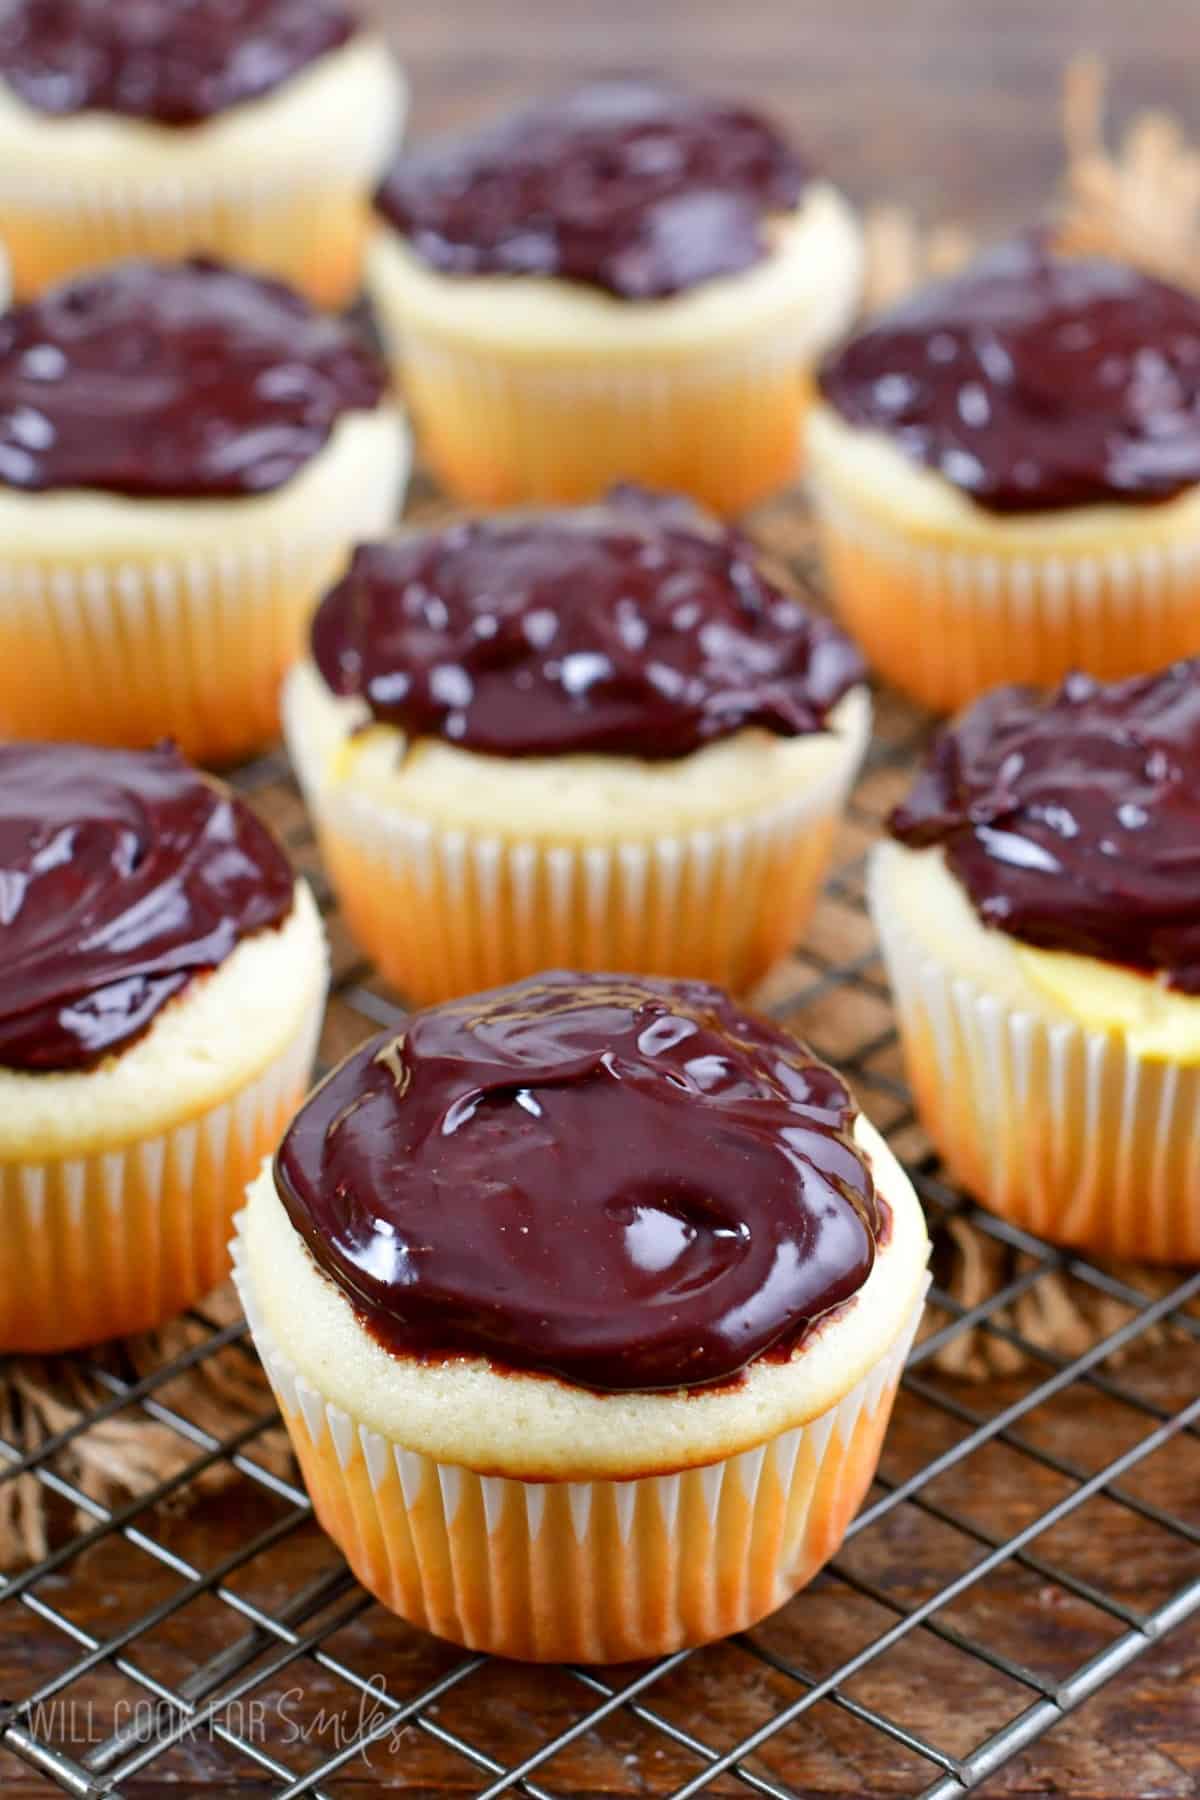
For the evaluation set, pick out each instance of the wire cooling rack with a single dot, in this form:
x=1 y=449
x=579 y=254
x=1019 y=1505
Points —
x=1026 y=1539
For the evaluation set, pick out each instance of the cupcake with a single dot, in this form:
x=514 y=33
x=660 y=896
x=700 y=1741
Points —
x=585 y=1301
x=187 y=454
x=1007 y=472
x=600 y=738
x=626 y=282
x=253 y=130
x=1039 y=911
x=164 y=978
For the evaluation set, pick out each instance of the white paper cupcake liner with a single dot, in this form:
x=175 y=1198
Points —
x=945 y=623
x=449 y=911
x=115 y=1241
x=190 y=642
x=599 y=1571
x=306 y=220
x=1057 y=1128
x=723 y=426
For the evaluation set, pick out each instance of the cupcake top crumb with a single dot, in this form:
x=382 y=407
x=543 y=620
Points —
x=174 y=380
x=1072 y=820
x=176 y=62
x=636 y=627
x=631 y=185
x=123 y=874
x=628 y=1183
x=1034 y=381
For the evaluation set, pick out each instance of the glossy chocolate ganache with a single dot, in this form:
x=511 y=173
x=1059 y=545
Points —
x=175 y=62
x=173 y=380
x=1035 y=381
x=123 y=874
x=637 y=627
x=1073 y=820
x=628 y=1183
x=630 y=185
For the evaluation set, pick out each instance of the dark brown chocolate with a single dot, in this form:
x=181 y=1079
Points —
x=631 y=185
x=638 y=627
x=174 y=380
x=1073 y=820
x=1035 y=381
x=123 y=874
x=628 y=1183
x=176 y=62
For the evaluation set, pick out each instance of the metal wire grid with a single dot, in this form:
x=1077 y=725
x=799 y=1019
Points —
x=664 y=1710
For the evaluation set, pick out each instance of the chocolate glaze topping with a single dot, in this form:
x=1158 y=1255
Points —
x=177 y=62
x=1073 y=820
x=122 y=875
x=163 y=380
x=1035 y=381
x=628 y=1183
x=631 y=185
x=637 y=627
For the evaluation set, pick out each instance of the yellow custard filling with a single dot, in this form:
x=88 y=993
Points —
x=1159 y=1024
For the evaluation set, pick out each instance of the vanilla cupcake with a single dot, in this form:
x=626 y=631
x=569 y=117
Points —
x=624 y=283
x=253 y=130
x=1039 y=912
x=585 y=1301
x=187 y=454
x=164 y=979
x=603 y=737
x=1007 y=472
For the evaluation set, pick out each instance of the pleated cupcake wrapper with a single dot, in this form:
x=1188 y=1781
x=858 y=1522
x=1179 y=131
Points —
x=308 y=226
x=1057 y=1128
x=189 y=645
x=116 y=1241
x=446 y=912
x=722 y=425
x=945 y=625
x=600 y=1571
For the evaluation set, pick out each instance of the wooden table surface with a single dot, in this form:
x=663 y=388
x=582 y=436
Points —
x=950 y=107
